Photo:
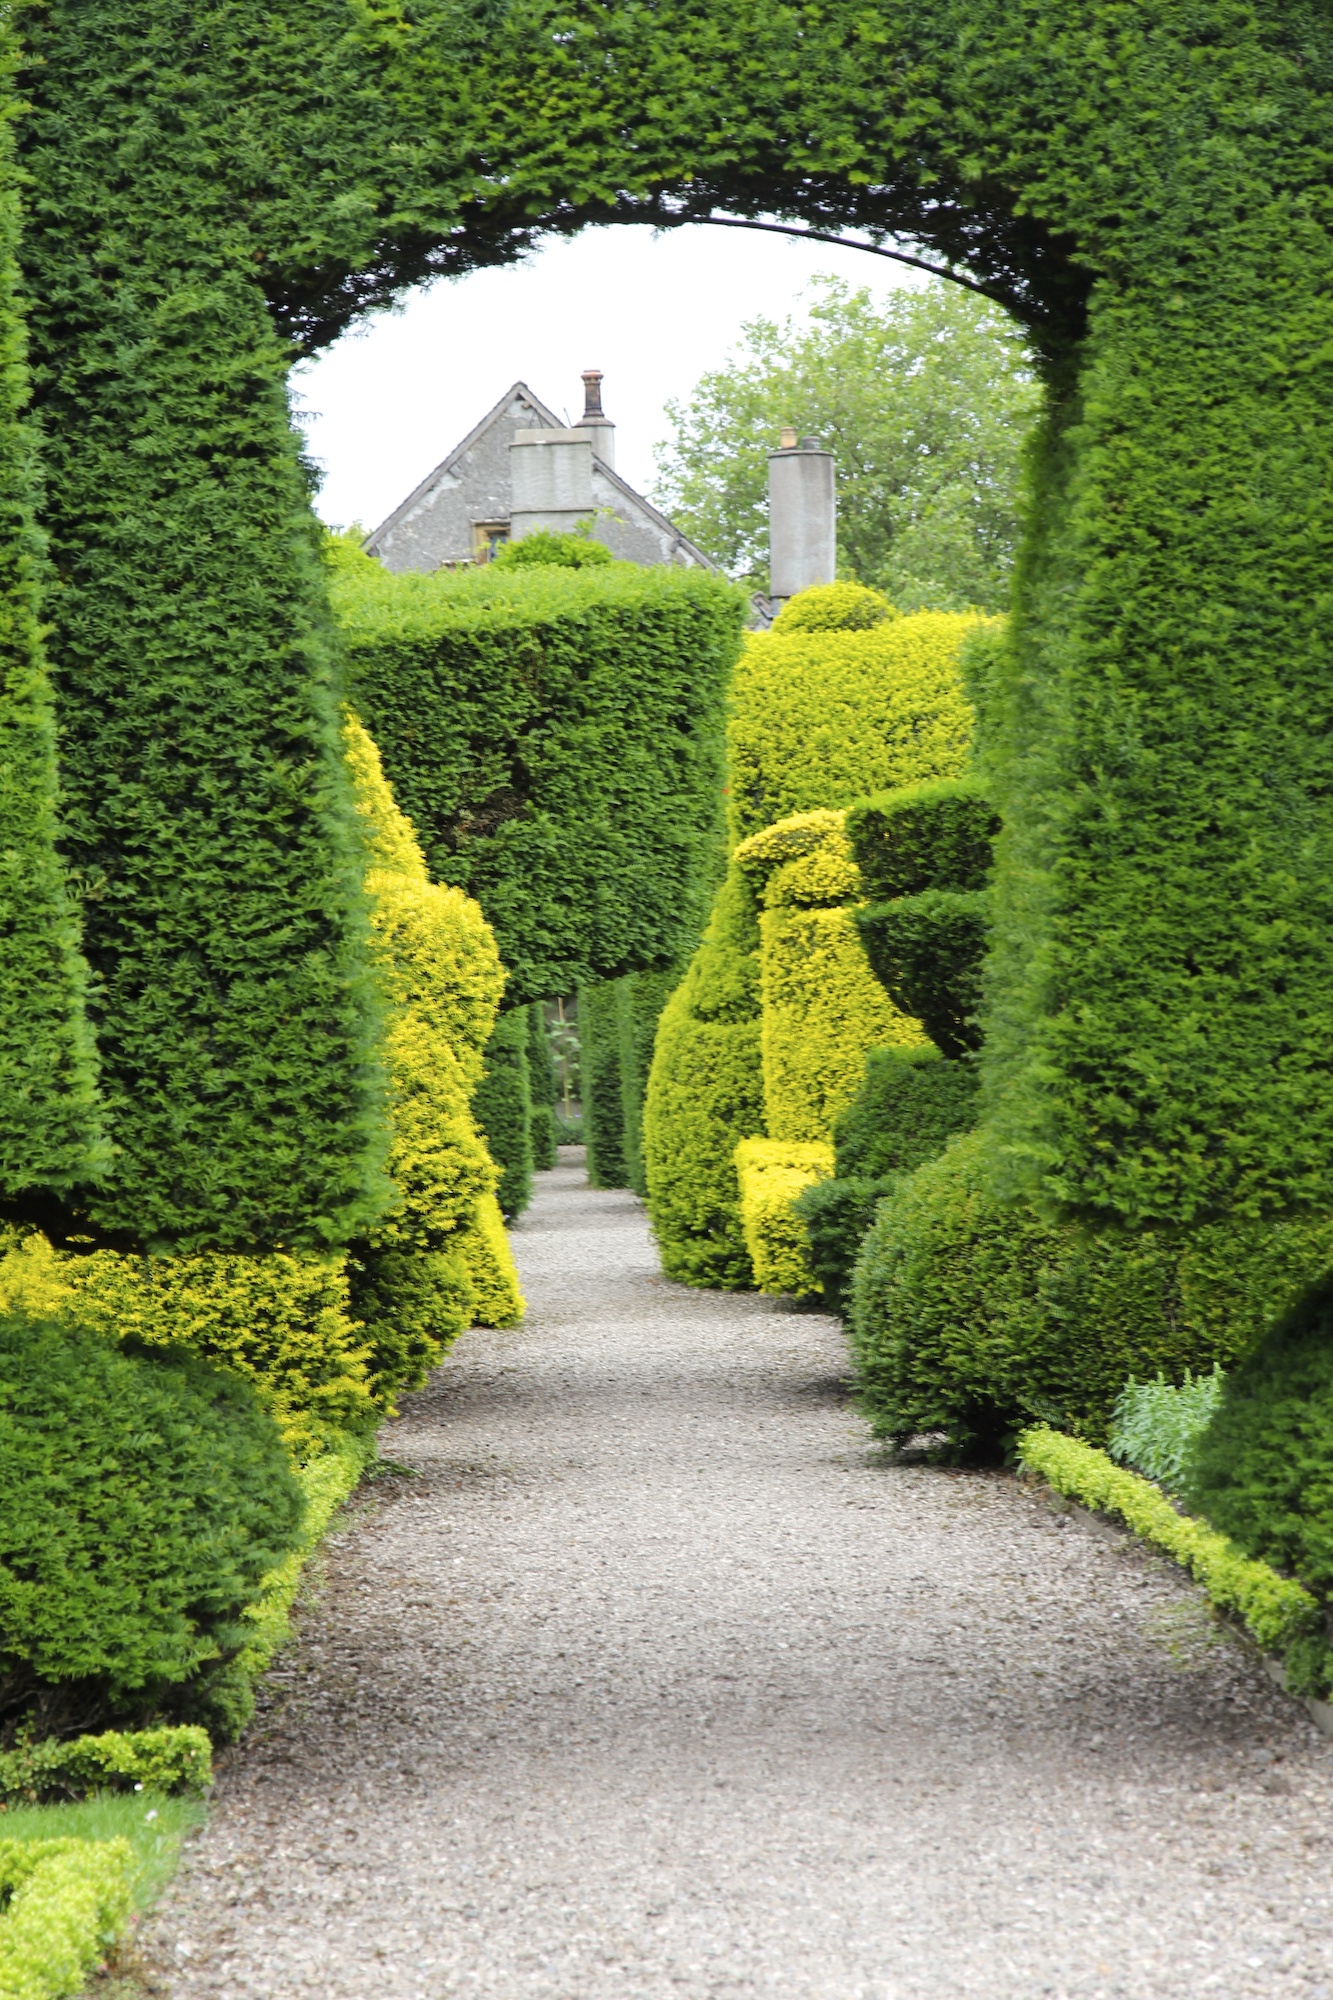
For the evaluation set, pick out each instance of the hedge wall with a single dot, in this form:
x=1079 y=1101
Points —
x=570 y=772
x=541 y=1088
x=502 y=1107
x=603 y=1093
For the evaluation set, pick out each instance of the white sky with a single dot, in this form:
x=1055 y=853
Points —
x=383 y=406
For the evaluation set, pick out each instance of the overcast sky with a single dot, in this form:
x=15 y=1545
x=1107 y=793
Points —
x=385 y=404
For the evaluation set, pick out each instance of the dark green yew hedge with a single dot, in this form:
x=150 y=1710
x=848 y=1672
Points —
x=142 y=1501
x=541 y=1088
x=556 y=737
x=603 y=1085
x=502 y=1107
x=208 y=195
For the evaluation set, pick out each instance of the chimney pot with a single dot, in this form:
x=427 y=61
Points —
x=787 y=442
x=592 y=392
x=595 y=420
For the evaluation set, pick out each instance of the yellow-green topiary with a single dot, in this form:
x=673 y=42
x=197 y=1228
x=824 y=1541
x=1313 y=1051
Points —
x=772 y=1173
x=706 y=1091
x=440 y=1259
x=284 y=1321
x=823 y=1010
x=483 y=1245
x=822 y=718
x=834 y=607
x=63 y=1903
x=819 y=718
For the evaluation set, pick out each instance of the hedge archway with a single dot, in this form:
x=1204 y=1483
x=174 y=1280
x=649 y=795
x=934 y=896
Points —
x=207 y=193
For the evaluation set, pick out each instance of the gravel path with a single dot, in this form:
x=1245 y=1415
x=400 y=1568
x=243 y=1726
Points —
x=658 y=1680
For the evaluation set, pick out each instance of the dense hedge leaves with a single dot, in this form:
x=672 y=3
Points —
x=973 y=1315
x=141 y=1503
x=927 y=951
x=541 y=1088
x=936 y=834
x=568 y=775
x=502 y=1107
x=602 y=1087
x=1262 y=1471
x=62 y=1903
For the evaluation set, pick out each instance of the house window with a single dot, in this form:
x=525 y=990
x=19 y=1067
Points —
x=487 y=537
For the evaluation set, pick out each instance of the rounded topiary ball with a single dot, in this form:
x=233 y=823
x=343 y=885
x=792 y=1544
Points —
x=834 y=607
x=142 y=1500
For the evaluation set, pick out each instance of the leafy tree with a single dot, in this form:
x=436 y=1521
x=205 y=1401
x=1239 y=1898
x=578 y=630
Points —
x=926 y=397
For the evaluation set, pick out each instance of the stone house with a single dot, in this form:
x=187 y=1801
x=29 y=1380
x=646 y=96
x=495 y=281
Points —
x=521 y=469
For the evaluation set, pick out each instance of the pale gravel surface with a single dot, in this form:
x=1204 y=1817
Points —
x=660 y=1680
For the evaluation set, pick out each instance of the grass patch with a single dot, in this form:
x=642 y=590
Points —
x=154 y=1825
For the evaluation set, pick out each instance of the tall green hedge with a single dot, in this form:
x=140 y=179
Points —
x=570 y=774
x=603 y=1098
x=502 y=1107
x=541 y=1088
x=1146 y=190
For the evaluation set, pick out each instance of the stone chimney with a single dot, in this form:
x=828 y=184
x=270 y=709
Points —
x=550 y=475
x=601 y=428
x=802 y=518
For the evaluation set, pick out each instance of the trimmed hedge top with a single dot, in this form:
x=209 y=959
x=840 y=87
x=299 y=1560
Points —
x=936 y=834
x=555 y=735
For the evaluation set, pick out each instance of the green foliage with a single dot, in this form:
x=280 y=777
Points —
x=910 y=1104
x=974 y=1315
x=936 y=834
x=1276 y=1612
x=927 y=951
x=553 y=551
x=774 y=1175
x=50 y=1121
x=289 y=1324
x=603 y=1095
x=1155 y=1425
x=642 y=997
x=502 y=1107
x=570 y=774
x=833 y=607
x=440 y=981
x=155 y=1760
x=541 y=1088
x=926 y=398
x=705 y=1093
x=1262 y=1471
x=820 y=719
x=142 y=1502
x=153 y=1824
x=63 y=1903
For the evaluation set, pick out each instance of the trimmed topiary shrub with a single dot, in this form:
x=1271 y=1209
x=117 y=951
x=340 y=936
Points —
x=936 y=834
x=910 y=1104
x=833 y=607
x=972 y=1316
x=544 y=549
x=822 y=718
x=541 y=1089
x=62 y=1904
x=705 y=1093
x=1262 y=1469
x=927 y=952
x=602 y=1085
x=570 y=776
x=142 y=1503
x=156 y=1760
x=502 y=1106
x=773 y=1174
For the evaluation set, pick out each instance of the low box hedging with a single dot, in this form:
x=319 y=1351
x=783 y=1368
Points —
x=63 y=1903
x=772 y=1175
x=1280 y=1614
x=155 y=1760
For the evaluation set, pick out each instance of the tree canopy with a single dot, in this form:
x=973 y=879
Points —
x=926 y=397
